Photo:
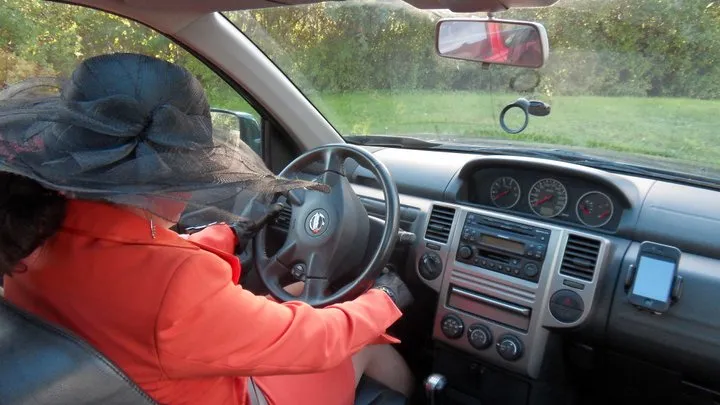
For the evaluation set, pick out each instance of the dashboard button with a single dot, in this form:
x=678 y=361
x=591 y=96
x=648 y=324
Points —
x=531 y=270
x=574 y=284
x=465 y=252
x=432 y=246
x=566 y=306
x=430 y=266
x=452 y=326
x=509 y=347
x=479 y=336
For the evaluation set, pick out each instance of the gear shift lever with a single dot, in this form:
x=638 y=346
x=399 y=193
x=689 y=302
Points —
x=434 y=384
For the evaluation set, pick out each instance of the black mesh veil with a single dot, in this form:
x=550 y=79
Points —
x=127 y=129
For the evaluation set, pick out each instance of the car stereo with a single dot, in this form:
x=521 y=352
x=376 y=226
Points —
x=503 y=246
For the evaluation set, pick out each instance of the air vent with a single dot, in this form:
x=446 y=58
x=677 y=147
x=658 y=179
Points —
x=581 y=255
x=283 y=219
x=441 y=219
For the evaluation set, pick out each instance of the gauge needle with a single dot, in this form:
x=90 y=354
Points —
x=585 y=210
x=544 y=200
x=604 y=214
x=501 y=195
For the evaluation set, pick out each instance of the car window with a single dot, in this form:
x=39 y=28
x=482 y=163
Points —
x=44 y=39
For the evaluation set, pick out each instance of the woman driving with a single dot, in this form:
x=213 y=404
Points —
x=94 y=179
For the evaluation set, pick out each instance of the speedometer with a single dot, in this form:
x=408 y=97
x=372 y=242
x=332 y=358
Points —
x=505 y=192
x=548 y=198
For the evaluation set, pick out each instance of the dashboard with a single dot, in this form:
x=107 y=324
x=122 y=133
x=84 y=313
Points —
x=520 y=249
x=544 y=195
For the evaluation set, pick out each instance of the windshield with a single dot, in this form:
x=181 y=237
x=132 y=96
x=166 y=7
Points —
x=633 y=78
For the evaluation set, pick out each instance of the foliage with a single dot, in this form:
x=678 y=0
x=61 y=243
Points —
x=666 y=48
x=599 y=47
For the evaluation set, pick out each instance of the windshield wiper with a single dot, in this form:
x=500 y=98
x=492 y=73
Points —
x=391 y=141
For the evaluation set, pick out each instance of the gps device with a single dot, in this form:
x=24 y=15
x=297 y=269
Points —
x=654 y=281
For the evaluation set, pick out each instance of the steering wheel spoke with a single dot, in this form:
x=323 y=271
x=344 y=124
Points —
x=275 y=269
x=314 y=289
x=287 y=254
x=296 y=198
x=334 y=161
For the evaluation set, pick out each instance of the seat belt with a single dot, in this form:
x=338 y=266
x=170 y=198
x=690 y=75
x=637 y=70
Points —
x=256 y=395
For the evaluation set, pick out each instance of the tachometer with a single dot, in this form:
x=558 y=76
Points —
x=595 y=209
x=548 y=198
x=505 y=192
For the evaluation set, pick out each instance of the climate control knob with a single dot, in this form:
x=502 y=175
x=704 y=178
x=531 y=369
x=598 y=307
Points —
x=509 y=347
x=430 y=266
x=465 y=252
x=452 y=326
x=479 y=336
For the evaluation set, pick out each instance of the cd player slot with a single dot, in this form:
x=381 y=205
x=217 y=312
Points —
x=489 y=254
x=509 y=228
x=490 y=308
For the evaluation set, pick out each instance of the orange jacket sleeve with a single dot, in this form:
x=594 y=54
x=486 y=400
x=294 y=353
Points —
x=218 y=236
x=209 y=326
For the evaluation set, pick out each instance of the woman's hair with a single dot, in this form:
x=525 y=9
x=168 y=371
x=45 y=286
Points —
x=29 y=215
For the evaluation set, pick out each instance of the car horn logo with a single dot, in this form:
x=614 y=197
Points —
x=317 y=222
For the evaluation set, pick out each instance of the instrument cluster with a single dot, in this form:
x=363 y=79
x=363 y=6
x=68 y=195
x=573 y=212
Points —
x=545 y=195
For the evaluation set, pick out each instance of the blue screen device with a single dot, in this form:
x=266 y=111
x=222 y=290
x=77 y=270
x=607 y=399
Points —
x=655 y=274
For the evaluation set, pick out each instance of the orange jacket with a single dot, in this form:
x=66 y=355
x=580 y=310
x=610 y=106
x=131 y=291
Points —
x=169 y=311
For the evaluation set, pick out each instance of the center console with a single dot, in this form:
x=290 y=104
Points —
x=504 y=281
x=505 y=247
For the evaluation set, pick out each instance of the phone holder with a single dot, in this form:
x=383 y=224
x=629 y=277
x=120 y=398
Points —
x=676 y=289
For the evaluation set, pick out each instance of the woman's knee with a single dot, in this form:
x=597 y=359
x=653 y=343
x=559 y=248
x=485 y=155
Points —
x=384 y=364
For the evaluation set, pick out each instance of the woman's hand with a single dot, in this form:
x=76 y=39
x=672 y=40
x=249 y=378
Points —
x=393 y=285
x=246 y=229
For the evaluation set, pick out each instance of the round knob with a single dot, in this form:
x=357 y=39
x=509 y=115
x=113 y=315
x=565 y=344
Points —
x=430 y=266
x=479 y=336
x=509 y=347
x=531 y=270
x=465 y=252
x=452 y=326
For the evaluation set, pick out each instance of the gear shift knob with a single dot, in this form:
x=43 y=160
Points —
x=434 y=384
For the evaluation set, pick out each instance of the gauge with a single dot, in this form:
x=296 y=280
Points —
x=595 y=209
x=548 y=198
x=505 y=192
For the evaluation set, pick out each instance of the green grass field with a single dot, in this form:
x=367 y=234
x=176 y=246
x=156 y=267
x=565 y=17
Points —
x=675 y=128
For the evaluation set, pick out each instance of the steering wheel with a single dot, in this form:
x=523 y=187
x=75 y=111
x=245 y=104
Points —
x=328 y=232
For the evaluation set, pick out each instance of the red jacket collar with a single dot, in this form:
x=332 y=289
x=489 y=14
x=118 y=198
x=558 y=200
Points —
x=111 y=222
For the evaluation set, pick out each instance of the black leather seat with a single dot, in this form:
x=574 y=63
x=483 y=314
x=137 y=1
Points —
x=42 y=364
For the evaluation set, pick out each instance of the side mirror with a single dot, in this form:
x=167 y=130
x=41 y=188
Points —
x=235 y=126
x=493 y=41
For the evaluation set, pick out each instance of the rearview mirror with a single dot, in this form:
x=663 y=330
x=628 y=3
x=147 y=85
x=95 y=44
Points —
x=493 y=41
x=234 y=126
